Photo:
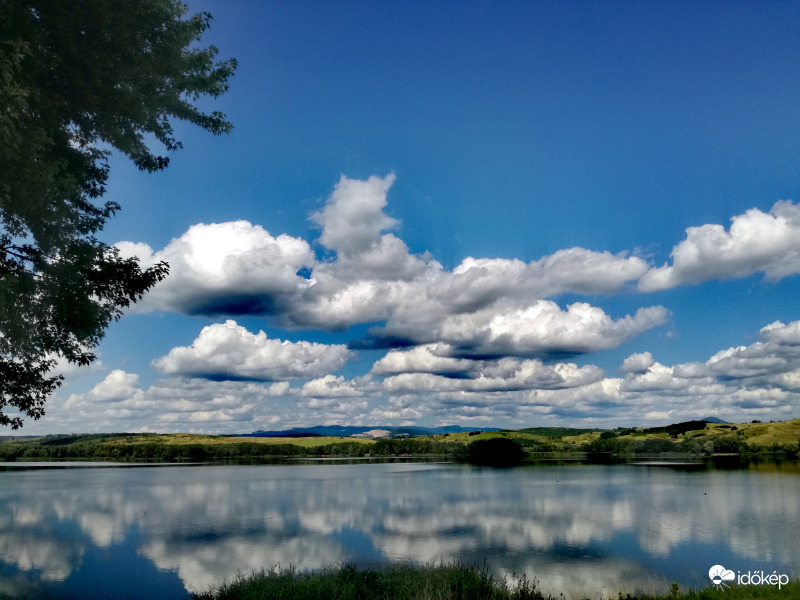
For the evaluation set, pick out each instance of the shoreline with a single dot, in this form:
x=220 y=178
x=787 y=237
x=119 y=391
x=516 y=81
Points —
x=454 y=581
x=689 y=442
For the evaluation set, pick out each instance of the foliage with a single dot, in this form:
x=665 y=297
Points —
x=678 y=428
x=63 y=440
x=655 y=446
x=734 y=592
x=539 y=445
x=186 y=447
x=390 y=447
x=397 y=582
x=608 y=445
x=625 y=430
x=617 y=445
x=443 y=582
x=729 y=445
x=77 y=79
x=102 y=449
x=554 y=432
x=495 y=452
x=126 y=446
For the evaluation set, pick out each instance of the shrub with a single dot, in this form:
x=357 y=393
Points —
x=495 y=452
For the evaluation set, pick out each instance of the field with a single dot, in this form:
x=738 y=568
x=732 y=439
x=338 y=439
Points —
x=783 y=433
x=690 y=437
x=183 y=439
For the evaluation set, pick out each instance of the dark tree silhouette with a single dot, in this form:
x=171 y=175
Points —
x=77 y=79
x=498 y=452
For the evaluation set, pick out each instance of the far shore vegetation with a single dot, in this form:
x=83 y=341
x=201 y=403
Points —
x=687 y=439
x=443 y=582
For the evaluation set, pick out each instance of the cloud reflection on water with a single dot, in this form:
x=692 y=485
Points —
x=561 y=525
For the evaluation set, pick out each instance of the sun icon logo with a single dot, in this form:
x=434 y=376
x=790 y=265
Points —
x=719 y=575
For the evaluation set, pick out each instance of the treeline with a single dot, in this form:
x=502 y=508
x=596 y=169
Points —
x=145 y=451
x=557 y=432
x=622 y=446
x=72 y=438
x=160 y=452
x=677 y=429
x=416 y=446
x=124 y=447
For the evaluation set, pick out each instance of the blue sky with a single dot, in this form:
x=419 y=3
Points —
x=508 y=214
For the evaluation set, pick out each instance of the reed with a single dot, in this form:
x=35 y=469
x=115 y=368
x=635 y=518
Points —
x=456 y=581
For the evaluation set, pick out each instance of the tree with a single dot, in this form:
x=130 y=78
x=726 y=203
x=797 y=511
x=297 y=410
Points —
x=497 y=452
x=78 y=79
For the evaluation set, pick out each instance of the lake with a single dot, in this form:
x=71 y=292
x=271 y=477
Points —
x=164 y=532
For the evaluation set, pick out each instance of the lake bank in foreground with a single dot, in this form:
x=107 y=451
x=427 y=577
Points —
x=453 y=582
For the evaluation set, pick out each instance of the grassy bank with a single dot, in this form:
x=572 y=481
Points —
x=188 y=448
x=690 y=438
x=444 y=582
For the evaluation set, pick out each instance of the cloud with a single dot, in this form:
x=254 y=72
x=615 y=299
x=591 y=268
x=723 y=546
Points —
x=741 y=383
x=773 y=360
x=331 y=387
x=71 y=370
x=117 y=386
x=368 y=275
x=636 y=363
x=353 y=217
x=756 y=242
x=428 y=358
x=229 y=351
x=782 y=335
x=230 y=268
x=502 y=375
x=488 y=339
x=119 y=403
x=540 y=328
x=477 y=282
x=660 y=379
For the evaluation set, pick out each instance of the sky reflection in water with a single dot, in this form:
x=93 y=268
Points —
x=160 y=532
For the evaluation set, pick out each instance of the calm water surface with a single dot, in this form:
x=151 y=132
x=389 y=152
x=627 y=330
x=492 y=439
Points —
x=166 y=532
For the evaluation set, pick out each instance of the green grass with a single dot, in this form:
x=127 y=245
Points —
x=181 y=439
x=184 y=439
x=443 y=582
x=749 y=439
x=465 y=437
x=399 y=582
x=557 y=432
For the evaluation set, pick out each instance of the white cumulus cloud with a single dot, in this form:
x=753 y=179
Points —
x=226 y=268
x=541 y=327
x=353 y=217
x=741 y=383
x=428 y=358
x=637 y=363
x=756 y=242
x=502 y=375
x=229 y=351
x=367 y=274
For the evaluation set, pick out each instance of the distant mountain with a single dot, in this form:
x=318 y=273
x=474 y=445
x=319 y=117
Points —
x=347 y=431
x=715 y=420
